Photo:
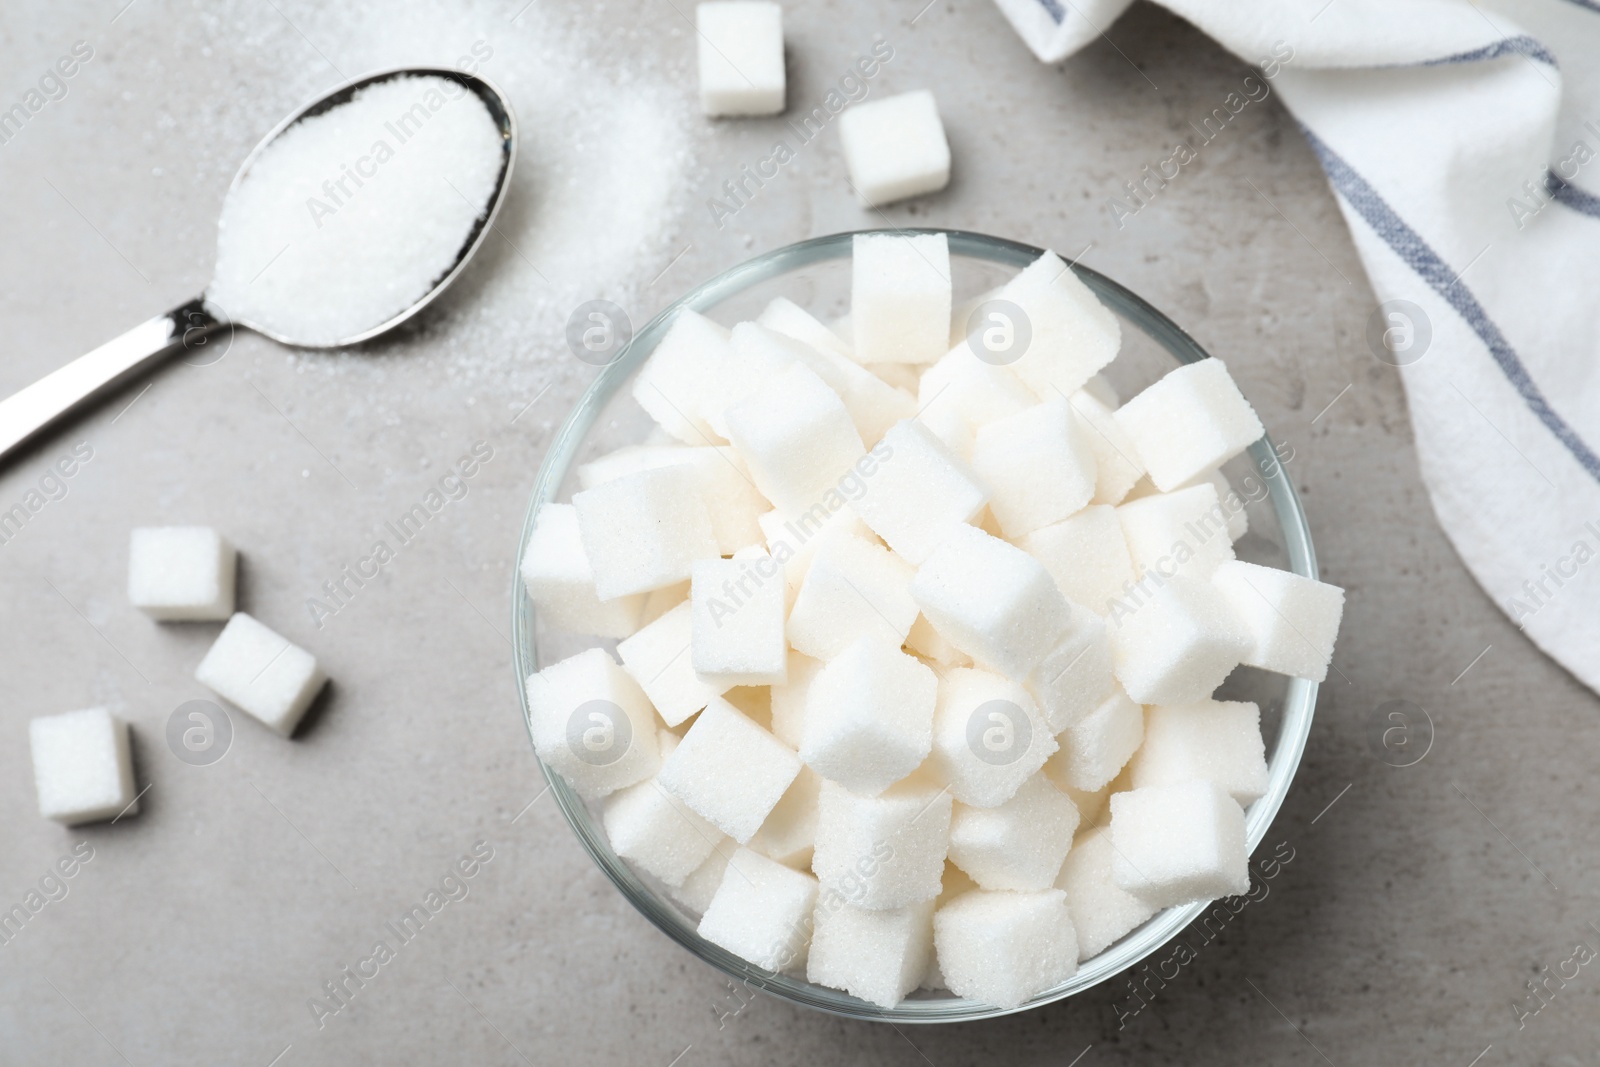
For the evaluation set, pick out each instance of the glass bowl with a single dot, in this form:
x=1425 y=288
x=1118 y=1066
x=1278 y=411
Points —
x=816 y=275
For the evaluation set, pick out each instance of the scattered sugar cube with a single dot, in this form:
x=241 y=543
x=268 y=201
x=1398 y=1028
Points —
x=976 y=391
x=697 y=890
x=1019 y=844
x=592 y=724
x=926 y=642
x=1038 y=467
x=869 y=716
x=852 y=589
x=988 y=736
x=1291 y=620
x=730 y=497
x=885 y=851
x=762 y=912
x=1179 y=843
x=879 y=956
x=895 y=148
x=181 y=572
x=1191 y=421
x=730 y=770
x=919 y=492
x=797 y=438
x=1182 y=532
x=1101 y=910
x=900 y=297
x=991 y=600
x=680 y=381
x=1004 y=946
x=738 y=607
x=82 y=768
x=1076 y=674
x=1072 y=334
x=1100 y=744
x=556 y=571
x=789 y=698
x=1218 y=741
x=1178 y=645
x=741 y=57
x=1087 y=556
x=790 y=829
x=661 y=660
x=261 y=673
x=644 y=530
x=655 y=830
x=1116 y=462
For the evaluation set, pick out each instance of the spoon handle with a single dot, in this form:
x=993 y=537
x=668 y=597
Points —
x=36 y=406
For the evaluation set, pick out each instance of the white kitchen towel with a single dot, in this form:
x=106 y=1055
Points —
x=1460 y=141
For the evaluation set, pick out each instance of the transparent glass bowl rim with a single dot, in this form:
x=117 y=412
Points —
x=1284 y=760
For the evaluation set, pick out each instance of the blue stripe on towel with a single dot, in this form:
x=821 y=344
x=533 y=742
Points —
x=1520 y=45
x=1564 y=192
x=1411 y=247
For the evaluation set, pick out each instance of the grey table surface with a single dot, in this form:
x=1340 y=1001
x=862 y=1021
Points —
x=1420 y=900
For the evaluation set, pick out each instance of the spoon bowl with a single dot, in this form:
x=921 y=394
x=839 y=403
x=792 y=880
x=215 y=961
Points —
x=192 y=325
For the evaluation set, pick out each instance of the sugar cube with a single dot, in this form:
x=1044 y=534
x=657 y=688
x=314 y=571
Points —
x=885 y=851
x=988 y=736
x=926 y=642
x=644 y=530
x=895 y=148
x=660 y=659
x=1016 y=845
x=797 y=438
x=1179 y=644
x=82 y=769
x=789 y=698
x=1039 y=469
x=879 y=956
x=730 y=770
x=1116 y=461
x=720 y=477
x=1072 y=334
x=1218 y=741
x=697 y=890
x=261 y=673
x=1087 y=556
x=900 y=297
x=1191 y=421
x=794 y=542
x=741 y=57
x=1102 y=911
x=1090 y=805
x=556 y=571
x=181 y=572
x=738 y=607
x=961 y=322
x=658 y=602
x=1100 y=744
x=869 y=716
x=790 y=829
x=919 y=492
x=782 y=315
x=592 y=724
x=1004 y=946
x=1179 y=843
x=852 y=589
x=679 y=383
x=1233 y=505
x=1291 y=620
x=655 y=830
x=1076 y=674
x=762 y=912
x=1182 y=532
x=874 y=405
x=991 y=600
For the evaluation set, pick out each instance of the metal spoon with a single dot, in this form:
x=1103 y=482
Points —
x=192 y=325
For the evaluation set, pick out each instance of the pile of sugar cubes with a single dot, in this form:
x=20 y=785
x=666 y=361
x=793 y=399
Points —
x=82 y=767
x=917 y=639
x=894 y=147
